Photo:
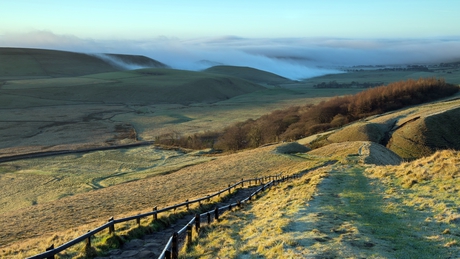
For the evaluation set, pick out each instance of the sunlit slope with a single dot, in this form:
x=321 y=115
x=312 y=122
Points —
x=250 y=74
x=411 y=133
x=144 y=86
x=41 y=63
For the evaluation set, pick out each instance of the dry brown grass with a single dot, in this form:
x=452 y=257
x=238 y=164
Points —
x=348 y=215
x=365 y=152
x=259 y=229
x=442 y=166
x=430 y=185
x=70 y=216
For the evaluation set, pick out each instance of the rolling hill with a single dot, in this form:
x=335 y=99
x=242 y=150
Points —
x=411 y=133
x=21 y=63
x=51 y=101
x=251 y=74
x=144 y=86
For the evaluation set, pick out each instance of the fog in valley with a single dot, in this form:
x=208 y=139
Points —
x=294 y=58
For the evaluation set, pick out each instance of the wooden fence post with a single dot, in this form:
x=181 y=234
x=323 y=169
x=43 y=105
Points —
x=186 y=204
x=189 y=236
x=175 y=247
x=111 y=227
x=230 y=207
x=197 y=222
x=238 y=203
x=49 y=249
x=88 y=244
x=138 y=221
x=167 y=254
x=209 y=217
x=216 y=213
x=229 y=189
x=155 y=215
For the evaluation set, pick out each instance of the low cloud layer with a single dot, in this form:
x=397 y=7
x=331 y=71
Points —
x=293 y=58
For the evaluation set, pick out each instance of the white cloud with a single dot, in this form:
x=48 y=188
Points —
x=290 y=57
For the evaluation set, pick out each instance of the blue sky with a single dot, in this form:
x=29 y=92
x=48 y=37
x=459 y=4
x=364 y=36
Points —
x=289 y=37
x=140 y=19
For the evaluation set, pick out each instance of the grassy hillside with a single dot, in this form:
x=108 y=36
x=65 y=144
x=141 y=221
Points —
x=137 y=60
x=76 y=210
x=96 y=110
x=347 y=211
x=144 y=86
x=23 y=63
x=300 y=121
x=411 y=133
x=250 y=74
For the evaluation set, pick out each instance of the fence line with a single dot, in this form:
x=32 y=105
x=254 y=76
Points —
x=51 y=251
x=171 y=249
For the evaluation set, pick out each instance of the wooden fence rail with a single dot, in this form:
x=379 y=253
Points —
x=51 y=252
x=171 y=248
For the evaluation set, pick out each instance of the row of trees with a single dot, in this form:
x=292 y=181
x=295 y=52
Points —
x=300 y=121
x=334 y=84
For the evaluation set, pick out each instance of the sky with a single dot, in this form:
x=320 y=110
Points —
x=296 y=36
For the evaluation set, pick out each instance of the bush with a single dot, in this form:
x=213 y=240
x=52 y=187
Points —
x=298 y=122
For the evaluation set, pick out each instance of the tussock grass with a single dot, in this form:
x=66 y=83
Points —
x=72 y=216
x=428 y=184
x=258 y=230
x=346 y=215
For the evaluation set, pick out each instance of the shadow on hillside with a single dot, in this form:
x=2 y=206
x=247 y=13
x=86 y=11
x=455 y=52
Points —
x=351 y=217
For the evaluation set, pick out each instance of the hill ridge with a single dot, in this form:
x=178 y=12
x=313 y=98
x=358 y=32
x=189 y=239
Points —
x=17 y=63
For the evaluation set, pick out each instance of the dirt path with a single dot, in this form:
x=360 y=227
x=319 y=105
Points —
x=351 y=217
x=151 y=246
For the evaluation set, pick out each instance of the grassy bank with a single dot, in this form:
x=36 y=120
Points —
x=348 y=215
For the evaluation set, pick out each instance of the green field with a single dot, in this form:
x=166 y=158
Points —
x=48 y=103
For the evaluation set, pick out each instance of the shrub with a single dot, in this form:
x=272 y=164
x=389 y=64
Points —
x=297 y=122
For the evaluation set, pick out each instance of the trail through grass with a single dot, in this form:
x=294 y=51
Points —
x=347 y=215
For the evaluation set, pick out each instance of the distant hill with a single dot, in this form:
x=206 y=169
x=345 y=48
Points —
x=130 y=61
x=250 y=74
x=142 y=86
x=41 y=63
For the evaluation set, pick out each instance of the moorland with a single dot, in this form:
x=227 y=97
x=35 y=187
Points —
x=96 y=113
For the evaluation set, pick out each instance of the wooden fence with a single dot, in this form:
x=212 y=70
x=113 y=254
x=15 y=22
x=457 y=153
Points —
x=184 y=235
x=110 y=225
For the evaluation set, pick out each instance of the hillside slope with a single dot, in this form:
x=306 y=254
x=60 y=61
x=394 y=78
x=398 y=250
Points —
x=411 y=133
x=41 y=63
x=348 y=210
x=144 y=86
x=250 y=74
x=101 y=109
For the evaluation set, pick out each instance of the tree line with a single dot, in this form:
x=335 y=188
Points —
x=334 y=84
x=301 y=121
